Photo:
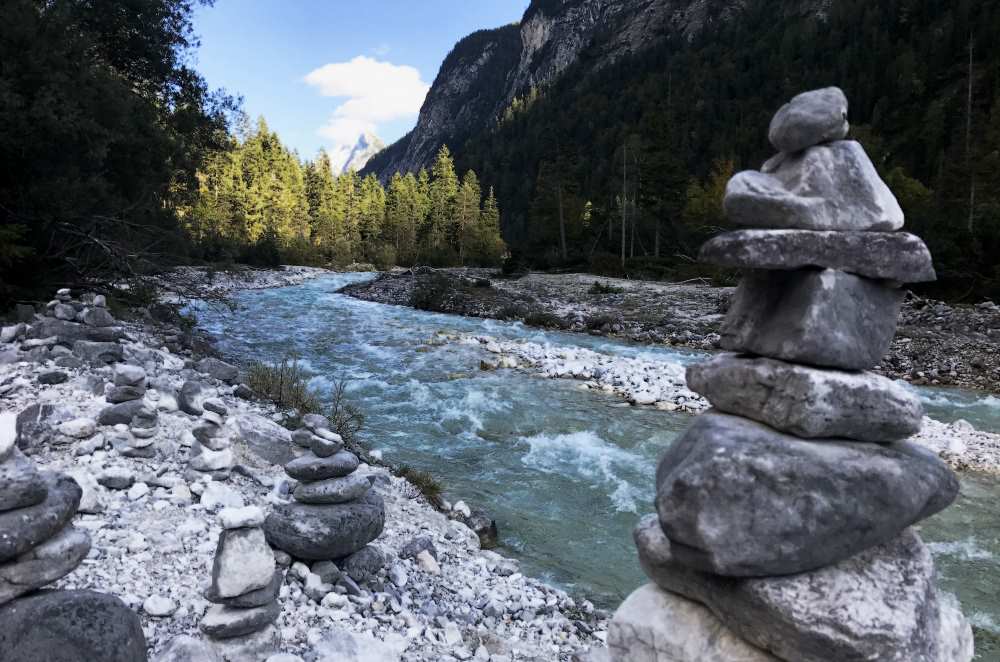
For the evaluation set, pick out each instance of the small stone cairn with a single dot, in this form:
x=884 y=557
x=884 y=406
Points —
x=38 y=546
x=335 y=511
x=211 y=452
x=783 y=514
x=244 y=589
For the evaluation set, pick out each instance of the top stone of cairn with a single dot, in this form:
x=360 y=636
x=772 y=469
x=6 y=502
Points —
x=809 y=119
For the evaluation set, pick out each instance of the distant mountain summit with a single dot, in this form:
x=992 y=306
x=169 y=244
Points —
x=355 y=157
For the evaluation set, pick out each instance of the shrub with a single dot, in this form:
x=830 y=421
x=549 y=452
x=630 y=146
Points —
x=285 y=383
x=605 y=288
x=423 y=481
x=346 y=419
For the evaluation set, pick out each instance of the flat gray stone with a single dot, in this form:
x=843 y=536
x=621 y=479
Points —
x=894 y=256
x=38 y=424
x=323 y=533
x=21 y=484
x=129 y=375
x=258 y=598
x=882 y=604
x=333 y=490
x=824 y=318
x=52 y=560
x=184 y=648
x=121 y=413
x=260 y=645
x=316 y=422
x=218 y=369
x=808 y=402
x=98 y=317
x=363 y=564
x=119 y=394
x=740 y=499
x=309 y=467
x=68 y=333
x=25 y=528
x=324 y=447
x=98 y=353
x=810 y=118
x=221 y=622
x=243 y=563
x=70 y=626
x=654 y=625
x=190 y=398
x=266 y=439
x=828 y=187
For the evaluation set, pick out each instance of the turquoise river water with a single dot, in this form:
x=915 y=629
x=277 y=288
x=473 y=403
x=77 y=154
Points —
x=566 y=472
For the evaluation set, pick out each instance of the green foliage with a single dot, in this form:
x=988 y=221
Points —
x=259 y=204
x=605 y=288
x=423 y=481
x=653 y=136
x=102 y=126
x=285 y=383
x=345 y=418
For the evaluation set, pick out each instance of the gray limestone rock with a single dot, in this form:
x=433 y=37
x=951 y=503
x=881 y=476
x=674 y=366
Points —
x=121 y=413
x=25 y=528
x=738 y=498
x=130 y=375
x=119 y=394
x=184 y=648
x=98 y=317
x=324 y=447
x=266 y=439
x=260 y=645
x=363 y=564
x=258 y=598
x=21 y=484
x=70 y=626
x=895 y=256
x=654 y=625
x=220 y=370
x=316 y=422
x=810 y=118
x=808 y=402
x=190 y=398
x=68 y=333
x=829 y=187
x=823 y=318
x=881 y=604
x=221 y=622
x=309 y=467
x=38 y=424
x=243 y=563
x=53 y=559
x=321 y=533
x=98 y=353
x=52 y=377
x=333 y=490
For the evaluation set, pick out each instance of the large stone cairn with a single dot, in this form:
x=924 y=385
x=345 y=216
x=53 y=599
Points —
x=211 y=452
x=783 y=514
x=38 y=546
x=244 y=589
x=335 y=511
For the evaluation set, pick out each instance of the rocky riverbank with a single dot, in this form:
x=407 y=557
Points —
x=935 y=344
x=154 y=488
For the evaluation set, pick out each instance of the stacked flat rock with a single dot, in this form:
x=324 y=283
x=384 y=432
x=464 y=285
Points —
x=783 y=514
x=129 y=412
x=244 y=589
x=71 y=332
x=335 y=511
x=211 y=452
x=38 y=546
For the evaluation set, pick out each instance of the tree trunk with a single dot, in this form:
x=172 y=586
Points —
x=968 y=145
x=624 y=198
x=562 y=224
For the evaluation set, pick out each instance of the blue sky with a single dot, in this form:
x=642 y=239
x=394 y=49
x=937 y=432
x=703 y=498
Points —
x=321 y=71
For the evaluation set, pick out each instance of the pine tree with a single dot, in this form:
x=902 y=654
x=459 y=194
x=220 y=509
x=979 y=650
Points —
x=443 y=192
x=466 y=213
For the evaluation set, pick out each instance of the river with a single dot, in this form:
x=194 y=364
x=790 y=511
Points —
x=566 y=472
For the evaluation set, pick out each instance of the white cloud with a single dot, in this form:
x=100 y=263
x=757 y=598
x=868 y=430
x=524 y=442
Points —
x=375 y=92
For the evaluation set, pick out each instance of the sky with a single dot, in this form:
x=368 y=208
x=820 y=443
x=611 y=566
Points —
x=323 y=71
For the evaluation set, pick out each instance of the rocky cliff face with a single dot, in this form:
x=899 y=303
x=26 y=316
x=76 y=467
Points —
x=489 y=69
